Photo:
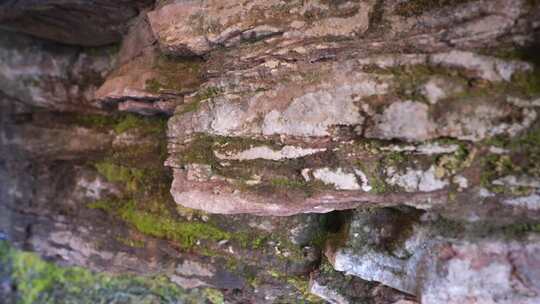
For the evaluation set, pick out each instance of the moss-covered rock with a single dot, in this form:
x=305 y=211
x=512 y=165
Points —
x=34 y=280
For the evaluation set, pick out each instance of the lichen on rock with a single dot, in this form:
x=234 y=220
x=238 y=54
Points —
x=270 y=151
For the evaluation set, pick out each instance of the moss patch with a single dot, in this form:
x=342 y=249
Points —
x=528 y=82
x=194 y=103
x=175 y=74
x=131 y=177
x=38 y=281
x=523 y=158
x=121 y=123
x=185 y=234
x=201 y=149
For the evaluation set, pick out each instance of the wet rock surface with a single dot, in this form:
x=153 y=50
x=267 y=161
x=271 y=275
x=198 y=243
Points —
x=270 y=151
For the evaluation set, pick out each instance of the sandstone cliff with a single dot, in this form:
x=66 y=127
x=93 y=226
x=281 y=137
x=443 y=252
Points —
x=224 y=151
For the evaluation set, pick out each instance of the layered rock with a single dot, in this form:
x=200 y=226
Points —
x=282 y=138
x=339 y=288
x=196 y=28
x=419 y=115
x=145 y=81
x=87 y=23
x=438 y=260
x=48 y=75
x=99 y=199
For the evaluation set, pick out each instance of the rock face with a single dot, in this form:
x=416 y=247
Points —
x=98 y=200
x=272 y=151
x=87 y=23
x=438 y=260
x=332 y=96
x=195 y=28
x=48 y=75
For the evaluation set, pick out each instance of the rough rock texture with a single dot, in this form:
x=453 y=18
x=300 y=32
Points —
x=339 y=288
x=87 y=23
x=341 y=98
x=49 y=75
x=97 y=201
x=438 y=260
x=273 y=151
x=146 y=81
x=196 y=28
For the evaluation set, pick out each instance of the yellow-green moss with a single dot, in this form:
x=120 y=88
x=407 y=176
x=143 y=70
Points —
x=495 y=166
x=121 y=123
x=131 y=177
x=450 y=164
x=145 y=124
x=214 y=296
x=103 y=204
x=186 y=234
x=523 y=159
x=194 y=104
x=38 y=281
x=131 y=242
x=300 y=283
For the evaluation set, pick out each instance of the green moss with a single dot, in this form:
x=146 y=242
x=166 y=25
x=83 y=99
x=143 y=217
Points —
x=418 y=7
x=528 y=142
x=395 y=158
x=214 y=296
x=201 y=149
x=121 y=123
x=528 y=82
x=288 y=183
x=302 y=286
x=495 y=166
x=375 y=172
x=153 y=86
x=207 y=93
x=95 y=121
x=186 y=234
x=38 y=281
x=146 y=203
x=131 y=177
x=258 y=242
x=131 y=242
x=145 y=124
x=523 y=159
x=35 y=277
x=450 y=164
x=408 y=80
x=300 y=283
x=154 y=219
x=379 y=186
x=105 y=205
x=203 y=94
x=175 y=74
x=521 y=229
